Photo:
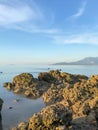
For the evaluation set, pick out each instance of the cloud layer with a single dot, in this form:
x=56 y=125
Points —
x=19 y=15
x=10 y=15
x=88 y=38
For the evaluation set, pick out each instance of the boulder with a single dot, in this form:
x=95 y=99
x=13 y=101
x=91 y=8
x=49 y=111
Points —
x=51 y=117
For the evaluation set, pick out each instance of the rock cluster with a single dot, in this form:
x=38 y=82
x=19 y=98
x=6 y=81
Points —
x=57 y=77
x=27 y=85
x=71 y=100
x=49 y=118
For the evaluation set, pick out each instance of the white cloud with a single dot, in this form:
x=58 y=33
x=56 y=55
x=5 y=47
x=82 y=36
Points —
x=80 y=11
x=89 y=38
x=35 y=29
x=19 y=15
x=17 y=12
x=10 y=15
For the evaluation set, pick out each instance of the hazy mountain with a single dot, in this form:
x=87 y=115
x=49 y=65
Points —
x=85 y=61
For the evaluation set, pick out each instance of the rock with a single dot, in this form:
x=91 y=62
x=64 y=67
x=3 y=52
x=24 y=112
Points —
x=9 y=107
x=16 y=100
x=14 y=128
x=23 y=79
x=23 y=126
x=72 y=100
x=86 y=109
x=54 y=94
x=1 y=103
x=63 y=127
x=51 y=116
x=25 y=84
x=8 y=85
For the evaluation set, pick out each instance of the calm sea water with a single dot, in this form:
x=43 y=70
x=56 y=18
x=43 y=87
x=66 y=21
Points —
x=23 y=109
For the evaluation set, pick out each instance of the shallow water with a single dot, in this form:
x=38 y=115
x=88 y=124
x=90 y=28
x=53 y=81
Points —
x=23 y=109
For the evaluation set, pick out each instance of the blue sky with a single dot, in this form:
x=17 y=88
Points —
x=47 y=31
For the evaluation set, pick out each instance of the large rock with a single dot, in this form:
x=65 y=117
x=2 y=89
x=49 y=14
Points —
x=51 y=117
x=25 y=84
x=23 y=79
x=57 y=77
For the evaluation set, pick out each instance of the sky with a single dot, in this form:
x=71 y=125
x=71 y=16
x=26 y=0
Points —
x=47 y=31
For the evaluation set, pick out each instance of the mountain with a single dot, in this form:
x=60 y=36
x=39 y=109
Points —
x=85 y=61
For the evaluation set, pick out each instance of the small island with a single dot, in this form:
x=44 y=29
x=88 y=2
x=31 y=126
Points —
x=71 y=100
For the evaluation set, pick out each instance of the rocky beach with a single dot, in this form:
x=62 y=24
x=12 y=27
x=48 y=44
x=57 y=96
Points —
x=71 y=100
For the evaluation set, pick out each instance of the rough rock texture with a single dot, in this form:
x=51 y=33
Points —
x=21 y=126
x=53 y=94
x=57 y=77
x=51 y=117
x=27 y=85
x=71 y=100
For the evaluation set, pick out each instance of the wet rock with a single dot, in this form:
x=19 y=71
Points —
x=1 y=103
x=8 y=85
x=9 y=108
x=16 y=100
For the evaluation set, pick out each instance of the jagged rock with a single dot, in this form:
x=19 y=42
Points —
x=23 y=79
x=72 y=100
x=63 y=127
x=25 y=84
x=57 y=77
x=51 y=116
x=54 y=94
x=21 y=126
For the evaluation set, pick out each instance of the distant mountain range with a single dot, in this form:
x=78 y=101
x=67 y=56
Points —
x=85 y=61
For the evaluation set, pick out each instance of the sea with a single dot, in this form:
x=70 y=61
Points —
x=15 y=112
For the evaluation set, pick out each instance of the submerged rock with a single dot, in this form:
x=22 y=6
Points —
x=8 y=85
